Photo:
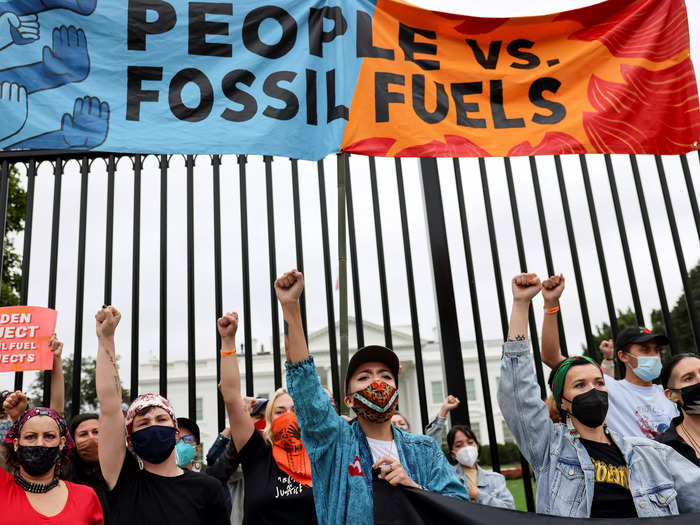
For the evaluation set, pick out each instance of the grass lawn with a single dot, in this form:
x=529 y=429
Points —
x=517 y=489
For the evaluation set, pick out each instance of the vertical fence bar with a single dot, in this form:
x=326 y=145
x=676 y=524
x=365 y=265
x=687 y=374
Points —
x=342 y=272
x=274 y=311
x=163 y=330
x=599 y=248
x=355 y=272
x=670 y=332
x=523 y=268
x=53 y=264
x=247 y=337
x=411 y=288
x=527 y=484
x=380 y=253
x=634 y=290
x=476 y=317
x=136 y=278
x=27 y=245
x=687 y=288
x=109 y=229
x=574 y=255
x=691 y=192
x=80 y=289
x=330 y=311
x=545 y=243
x=444 y=289
x=191 y=333
x=298 y=239
x=218 y=293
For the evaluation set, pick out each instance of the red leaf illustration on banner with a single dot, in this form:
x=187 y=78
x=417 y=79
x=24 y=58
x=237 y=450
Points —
x=635 y=29
x=474 y=26
x=652 y=111
x=453 y=146
x=376 y=146
x=553 y=143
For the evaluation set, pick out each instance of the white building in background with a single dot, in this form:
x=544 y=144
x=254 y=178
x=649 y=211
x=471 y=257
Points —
x=206 y=407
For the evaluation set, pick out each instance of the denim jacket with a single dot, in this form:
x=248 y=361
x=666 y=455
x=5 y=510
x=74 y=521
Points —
x=341 y=460
x=491 y=485
x=661 y=481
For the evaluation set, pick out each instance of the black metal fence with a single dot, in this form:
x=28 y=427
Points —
x=535 y=193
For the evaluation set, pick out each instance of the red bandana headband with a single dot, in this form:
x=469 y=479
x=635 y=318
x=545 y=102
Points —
x=145 y=401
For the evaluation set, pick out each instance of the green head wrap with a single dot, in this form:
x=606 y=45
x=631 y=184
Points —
x=559 y=377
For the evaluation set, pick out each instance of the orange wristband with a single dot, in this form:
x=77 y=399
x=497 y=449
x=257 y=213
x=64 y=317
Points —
x=552 y=310
x=227 y=353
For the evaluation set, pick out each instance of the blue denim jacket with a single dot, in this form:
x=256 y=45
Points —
x=341 y=460
x=491 y=485
x=661 y=481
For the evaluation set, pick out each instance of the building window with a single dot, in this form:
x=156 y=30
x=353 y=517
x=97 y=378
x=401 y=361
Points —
x=436 y=389
x=471 y=389
x=507 y=434
x=199 y=409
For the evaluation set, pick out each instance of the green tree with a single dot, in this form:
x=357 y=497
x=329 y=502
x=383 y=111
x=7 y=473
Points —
x=625 y=319
x=12 y=261
x=88 y=389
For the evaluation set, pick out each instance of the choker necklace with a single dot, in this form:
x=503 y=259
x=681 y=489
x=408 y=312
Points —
x=35 y=488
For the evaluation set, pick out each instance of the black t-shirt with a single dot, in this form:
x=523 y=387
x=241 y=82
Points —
x=612 y=497
x=271 y=495
x=143 y=498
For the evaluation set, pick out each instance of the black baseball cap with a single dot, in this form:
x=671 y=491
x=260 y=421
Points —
x=638 y=334
x=368 y=354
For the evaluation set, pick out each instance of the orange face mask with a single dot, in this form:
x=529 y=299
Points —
x=288 y=450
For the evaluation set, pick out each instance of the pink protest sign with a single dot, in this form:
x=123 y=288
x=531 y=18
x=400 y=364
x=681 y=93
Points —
x=24 y=338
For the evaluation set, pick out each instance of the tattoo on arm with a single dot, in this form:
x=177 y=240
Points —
x=286 y=328
x=518 y=337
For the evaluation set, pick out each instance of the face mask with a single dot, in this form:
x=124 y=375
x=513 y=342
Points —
x=691 y=398
x=37 y=460
x=87 y=450
x=377 y=402
x=154 y=444
x=185 y=453
x=590 y=408
x=467 y=455
x=260 y=424
x=648 y=368
x=288 y=450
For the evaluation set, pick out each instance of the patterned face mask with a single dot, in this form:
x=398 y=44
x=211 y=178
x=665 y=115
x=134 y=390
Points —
x=288 y=449
x=377 y=402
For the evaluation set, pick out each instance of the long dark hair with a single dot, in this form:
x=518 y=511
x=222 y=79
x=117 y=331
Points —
x=78 y=470
x=466 y=430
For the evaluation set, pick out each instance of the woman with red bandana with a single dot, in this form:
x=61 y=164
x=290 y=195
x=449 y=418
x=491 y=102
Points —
x=276 y=468
x=36 y=448
x=343 y=457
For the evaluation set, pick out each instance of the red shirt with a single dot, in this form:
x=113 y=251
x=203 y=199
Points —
x=82 y=506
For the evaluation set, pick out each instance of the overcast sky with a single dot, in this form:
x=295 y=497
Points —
x=260 y=287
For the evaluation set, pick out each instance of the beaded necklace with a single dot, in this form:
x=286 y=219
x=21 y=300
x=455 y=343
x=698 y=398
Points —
x=35 y=488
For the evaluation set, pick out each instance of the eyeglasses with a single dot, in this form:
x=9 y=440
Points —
x=188 y=439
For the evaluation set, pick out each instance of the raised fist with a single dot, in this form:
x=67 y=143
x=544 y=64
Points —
x=607 y=348
x=525 y=286
x=87 y=127
x=13 y=108
x=552 y=289
x=68 y=57
x=227 y=326
x=450 y=403
x=289 y=287
x=107 y=319
x=56 y=347
x=15 y=404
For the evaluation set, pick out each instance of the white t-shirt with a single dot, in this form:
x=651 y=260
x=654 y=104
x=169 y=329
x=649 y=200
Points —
x=381 y=448
x=634 y=410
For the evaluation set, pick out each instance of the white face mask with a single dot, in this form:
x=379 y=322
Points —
x=467 y=455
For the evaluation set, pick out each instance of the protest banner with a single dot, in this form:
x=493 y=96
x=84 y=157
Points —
x=24 y=338
x=308 y=78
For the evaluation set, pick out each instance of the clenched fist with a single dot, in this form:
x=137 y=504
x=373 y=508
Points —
x=525 y=287
x=607 y=348
x=56 y=347
x=289 y=287
x=552 y=289
x=450 y=403
x=15 y=404
x=227 y=326
x=107 y=319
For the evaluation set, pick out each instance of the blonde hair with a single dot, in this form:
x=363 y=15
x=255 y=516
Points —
x=267 y=433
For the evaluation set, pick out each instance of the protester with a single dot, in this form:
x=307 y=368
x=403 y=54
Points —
x=607 y=350
x=145 y=484
x=398 y=420
x=36 y=449
x=276 y=468
x=680 y=378
x=344 y=455
x=436 y=429
x=637 y=407
x=5 y=421
x=484 y=487
x=188 y=446
x=583 y=469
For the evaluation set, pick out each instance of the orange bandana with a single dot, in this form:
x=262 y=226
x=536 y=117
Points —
x=288 y=450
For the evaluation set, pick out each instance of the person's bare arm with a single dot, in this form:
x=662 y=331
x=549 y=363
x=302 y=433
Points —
x=525 y=287
x=552 y=289
x=241 y=423
x=289 y=288
x=58 y=386
x=112 y=449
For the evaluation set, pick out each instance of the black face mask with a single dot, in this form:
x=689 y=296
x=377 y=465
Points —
x=154 y=444
x=36 y=460
x=691 y=398
x=590 y=408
